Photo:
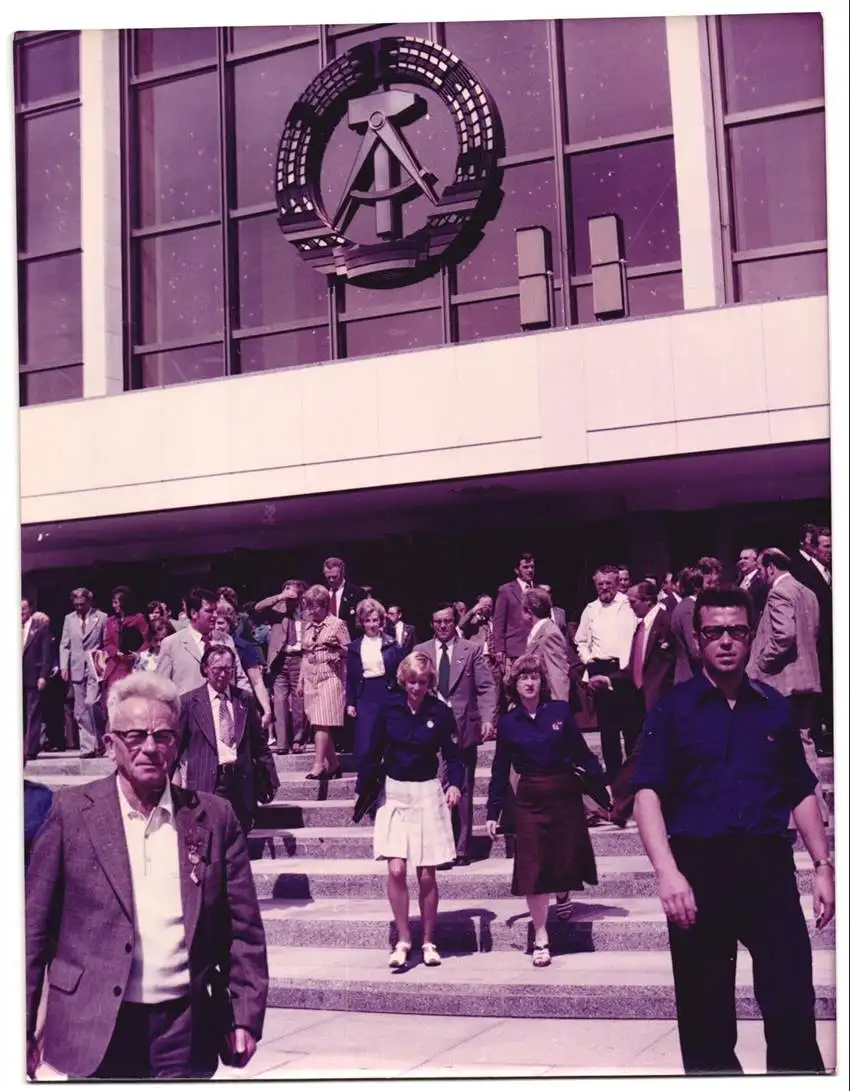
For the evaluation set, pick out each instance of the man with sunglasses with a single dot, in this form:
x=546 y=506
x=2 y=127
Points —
x=141 y=909
x=721 y=768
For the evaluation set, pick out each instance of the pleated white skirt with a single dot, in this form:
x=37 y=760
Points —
x=413 y=822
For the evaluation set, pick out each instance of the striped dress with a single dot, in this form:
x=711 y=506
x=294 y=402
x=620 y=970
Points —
x=324 y=648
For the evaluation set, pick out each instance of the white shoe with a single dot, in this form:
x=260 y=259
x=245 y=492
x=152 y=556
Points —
x=430 y=955
x=398 y=958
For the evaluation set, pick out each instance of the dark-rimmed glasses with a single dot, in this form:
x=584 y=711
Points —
x=715 y=632
x=163 y=737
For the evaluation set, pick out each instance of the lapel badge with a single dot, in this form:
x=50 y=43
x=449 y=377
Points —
x=557 y=725
x=430 y=723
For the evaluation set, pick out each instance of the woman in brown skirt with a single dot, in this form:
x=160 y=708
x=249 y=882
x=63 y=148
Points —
x=540 y=740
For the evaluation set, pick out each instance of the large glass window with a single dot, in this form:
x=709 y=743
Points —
x=771 y=135
x=215 y=288
x=47 y=109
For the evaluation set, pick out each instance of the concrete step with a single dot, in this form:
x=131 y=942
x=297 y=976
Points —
x=313 y=879
x=483 y=924
x=504 y=984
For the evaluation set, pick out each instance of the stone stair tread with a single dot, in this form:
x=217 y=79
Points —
x=492 y=969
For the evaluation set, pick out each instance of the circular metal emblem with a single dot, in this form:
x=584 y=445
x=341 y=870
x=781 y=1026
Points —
x=385 y=171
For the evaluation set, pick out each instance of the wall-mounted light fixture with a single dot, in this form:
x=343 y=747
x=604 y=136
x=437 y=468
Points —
x=608 y=266
x=534 y=268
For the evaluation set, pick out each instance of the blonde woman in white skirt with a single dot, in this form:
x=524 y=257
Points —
x=413 y=823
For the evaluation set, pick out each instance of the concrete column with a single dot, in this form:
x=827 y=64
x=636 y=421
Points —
x=103 y=371
x=696 y=163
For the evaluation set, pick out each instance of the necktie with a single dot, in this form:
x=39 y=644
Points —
x=637 y=666
x=291 y=637
x=83 y=624
x=225 y=722
x=333 y=603
x=205 y=641
x=488 y=637
x=443 y=671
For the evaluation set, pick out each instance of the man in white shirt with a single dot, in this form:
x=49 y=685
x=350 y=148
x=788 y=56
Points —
x=403 y=634
x=139 y=898
x=624 y=581
x=604 y=642
x=344 y=596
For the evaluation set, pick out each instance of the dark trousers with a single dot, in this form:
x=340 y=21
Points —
x=745 y=890
x=160 y=1042
x=230 y=785
x=289 y=723
x=34 y=735
x=615 y=716
x=463 y=813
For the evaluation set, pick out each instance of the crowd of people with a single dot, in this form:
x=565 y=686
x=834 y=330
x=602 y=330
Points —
x=691 y=681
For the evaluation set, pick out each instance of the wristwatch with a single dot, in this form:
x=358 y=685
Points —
x=825 y=862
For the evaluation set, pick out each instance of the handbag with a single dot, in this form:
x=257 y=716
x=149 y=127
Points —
x=266 y=780
x=370 y=794
x=592 y=785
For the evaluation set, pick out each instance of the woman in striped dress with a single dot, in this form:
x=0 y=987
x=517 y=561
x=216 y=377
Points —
x=324 y=643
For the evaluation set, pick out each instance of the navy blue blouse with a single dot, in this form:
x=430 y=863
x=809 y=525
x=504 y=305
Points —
x=721 y=770
x=410 y=741
x=549 y=742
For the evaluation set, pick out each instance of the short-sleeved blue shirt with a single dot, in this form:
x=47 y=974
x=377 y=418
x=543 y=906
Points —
x=721 y=770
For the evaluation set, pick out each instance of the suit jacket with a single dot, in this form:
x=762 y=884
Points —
x=758 y=593
x=392 y=656
x=559 y=616
x=784 y=650
x=510 y=629
x=277 y=634
x=688 y=658
x=472 y=689
x=408 y=637
x=351 y=596
x=180 y=660
x=74 y=647
x=659 y=659
x=37 y=656
x=79 y=919
x=199 y=747
x=806 y=573
x=549 y=644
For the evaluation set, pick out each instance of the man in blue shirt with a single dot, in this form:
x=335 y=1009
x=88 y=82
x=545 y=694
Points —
x=720 y=769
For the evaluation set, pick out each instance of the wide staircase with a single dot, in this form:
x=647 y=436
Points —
x=330 y=930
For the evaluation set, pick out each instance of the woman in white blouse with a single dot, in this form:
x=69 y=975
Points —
x=372 y=663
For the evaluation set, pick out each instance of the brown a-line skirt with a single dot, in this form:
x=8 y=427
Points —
x=553 y=849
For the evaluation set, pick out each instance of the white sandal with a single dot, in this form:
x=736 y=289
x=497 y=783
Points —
x=430 y=955
x=398 y=958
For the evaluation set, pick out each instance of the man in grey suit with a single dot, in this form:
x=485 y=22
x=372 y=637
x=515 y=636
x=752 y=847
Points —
x=547 y=642
x=466 y=684
x=688 y=655
x=141 y=909
x=81 y=641
x=784 y=651
x=180 y=654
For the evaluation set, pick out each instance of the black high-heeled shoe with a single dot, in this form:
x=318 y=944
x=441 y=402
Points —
x=335 y=775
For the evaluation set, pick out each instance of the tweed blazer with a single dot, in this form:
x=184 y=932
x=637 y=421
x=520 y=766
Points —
x=784 y=650
x=688 y=658
x=549 y=644
x=473 y=695
x=80 y=919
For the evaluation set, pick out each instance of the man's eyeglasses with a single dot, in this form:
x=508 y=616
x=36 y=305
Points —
x=715 y=632
x=133 y=739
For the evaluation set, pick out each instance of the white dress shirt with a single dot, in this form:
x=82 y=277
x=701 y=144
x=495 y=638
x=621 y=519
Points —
x=160 y=967
x=822 y=569
x=226 y=754
x=605 y=631
x=27 y=627
x=399 y=632
x=748 y=579
x=336 y=599
x=647 y=625
x=371 y=657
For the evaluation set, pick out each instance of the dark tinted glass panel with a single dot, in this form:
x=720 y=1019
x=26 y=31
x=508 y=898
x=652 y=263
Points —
x=256 y=37
x=656 y=295
x=184 y=366
x=378 y=336
x=358 y=300
x=54 y=311
x=779 y=181
x=61 y=385
x=169 y=48
x=491 y=318
x=782 y=278
x=342 y=44
x=181 y=285
x=177 y=133
x=771 y=59
x=275 y=285
x=616 y=77
x=264 y=90
x=50 y=69
x=284 y=350
x=584 y=305
x=639 y=184
x=432 y=140
x=512 y=61
x=529 y=201
x=51 y=169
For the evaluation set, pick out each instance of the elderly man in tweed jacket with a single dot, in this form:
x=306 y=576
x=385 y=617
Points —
x=141 y=908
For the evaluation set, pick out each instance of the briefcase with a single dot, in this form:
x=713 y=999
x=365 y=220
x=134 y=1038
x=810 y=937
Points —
x=370 y=795
x=592 y=786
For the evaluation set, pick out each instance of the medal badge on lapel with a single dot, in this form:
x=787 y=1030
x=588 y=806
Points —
x=430 y=724
x=557 y=725
x=193 y=853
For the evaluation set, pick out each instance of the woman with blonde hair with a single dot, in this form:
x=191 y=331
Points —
x=370 y=676
x=226 y=624
x=554 y=855
x=324 y=645
x=413 y=824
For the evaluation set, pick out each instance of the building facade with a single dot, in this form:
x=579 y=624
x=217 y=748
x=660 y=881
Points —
x=627 y=341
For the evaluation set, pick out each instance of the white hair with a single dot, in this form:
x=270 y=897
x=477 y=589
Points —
x=150 y=687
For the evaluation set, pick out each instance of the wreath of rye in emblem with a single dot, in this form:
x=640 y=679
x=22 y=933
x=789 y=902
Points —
x=385 y=172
